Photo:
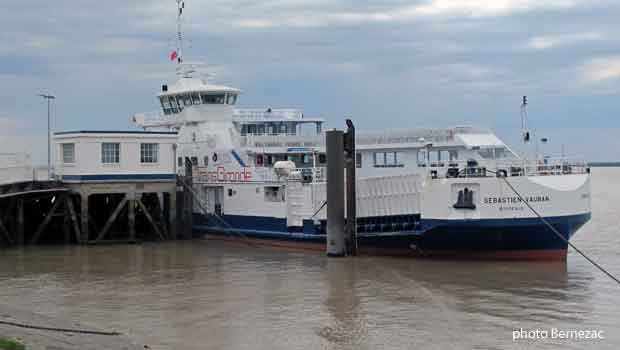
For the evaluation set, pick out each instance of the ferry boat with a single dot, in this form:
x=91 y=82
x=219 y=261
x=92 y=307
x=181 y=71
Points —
x=258 y=176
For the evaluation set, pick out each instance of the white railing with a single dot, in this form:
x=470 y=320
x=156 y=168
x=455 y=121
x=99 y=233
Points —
x=508 y=167
x=148 y=120
x=258 y=114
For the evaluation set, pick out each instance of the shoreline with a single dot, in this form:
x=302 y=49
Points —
x=43 y=339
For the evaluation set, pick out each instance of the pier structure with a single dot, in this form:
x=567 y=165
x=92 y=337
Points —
x=107 y=187
x=125 y=181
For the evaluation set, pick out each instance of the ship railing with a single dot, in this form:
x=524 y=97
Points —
x=258 y=114
x=506 y=167
x=154 y=119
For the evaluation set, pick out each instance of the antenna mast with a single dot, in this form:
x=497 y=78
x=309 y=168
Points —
x=524 y=130
x=180 y=6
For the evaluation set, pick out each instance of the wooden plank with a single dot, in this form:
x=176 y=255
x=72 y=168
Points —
x=162 y=220
x=74 y=220
x=111 y=220
x=20 y=222
x=6 y=233
x=131 y=217
x=46 y=221
x=150 y=219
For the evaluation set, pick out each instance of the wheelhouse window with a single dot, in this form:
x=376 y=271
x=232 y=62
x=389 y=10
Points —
x=110 y=153
x=212 y=99
x=187 y=100
x=195 y=98
x=231 y=99
x=149 y=152
x=68 y=153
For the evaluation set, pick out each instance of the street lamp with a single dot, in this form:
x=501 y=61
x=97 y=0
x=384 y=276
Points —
x=48 y=97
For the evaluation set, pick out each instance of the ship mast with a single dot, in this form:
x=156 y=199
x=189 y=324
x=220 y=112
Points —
x=180 y=7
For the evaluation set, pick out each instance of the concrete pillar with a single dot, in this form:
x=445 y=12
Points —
x=84 y=217
x=131 y=215
x=335 y=193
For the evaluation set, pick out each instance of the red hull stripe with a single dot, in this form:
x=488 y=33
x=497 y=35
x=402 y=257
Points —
x=552 y=254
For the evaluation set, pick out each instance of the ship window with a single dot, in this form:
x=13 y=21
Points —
x=283 y=128
x=110 y=152
x=261 y=129
x=444 y=155
x=231 y=99
x=322 y=158
x=195 y=98
x=422 y=157
x=194 y=161
x=179 y=101
x=187 y=100
x=486 y=153
x=269 y=160
x=149 y=152
x=306 y=159
x=180 y=161
x=165 y=105
x=274 y=194
x=454 y=155
x=358 y=160
x=68 y=153
x=212 y=99
x=206 y=160
x=388 y=159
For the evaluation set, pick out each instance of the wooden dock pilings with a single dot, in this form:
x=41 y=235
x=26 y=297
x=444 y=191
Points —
x=90 y=213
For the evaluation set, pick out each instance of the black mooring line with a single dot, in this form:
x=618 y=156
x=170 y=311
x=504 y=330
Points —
x=558 y=233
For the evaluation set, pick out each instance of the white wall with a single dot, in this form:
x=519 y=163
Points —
x=88 y=154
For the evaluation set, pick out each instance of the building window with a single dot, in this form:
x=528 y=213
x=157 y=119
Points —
x=149 y=152
x=110 y=153
x=68 y=153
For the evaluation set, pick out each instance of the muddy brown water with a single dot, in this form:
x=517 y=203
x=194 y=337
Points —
x=210 y=295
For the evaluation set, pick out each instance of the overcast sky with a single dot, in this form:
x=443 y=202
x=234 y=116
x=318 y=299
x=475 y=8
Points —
x=389 y=64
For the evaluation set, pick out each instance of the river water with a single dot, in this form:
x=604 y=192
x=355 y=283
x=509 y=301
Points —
x=209 y=295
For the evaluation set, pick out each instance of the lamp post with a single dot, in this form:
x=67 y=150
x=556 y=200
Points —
x=48 y=97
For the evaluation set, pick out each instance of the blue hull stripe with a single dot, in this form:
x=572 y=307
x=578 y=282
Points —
x=476 y=234
x=120 y=177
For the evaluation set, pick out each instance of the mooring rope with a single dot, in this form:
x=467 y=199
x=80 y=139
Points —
x=316 y=212
x=557 y=233
x=54 y=329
